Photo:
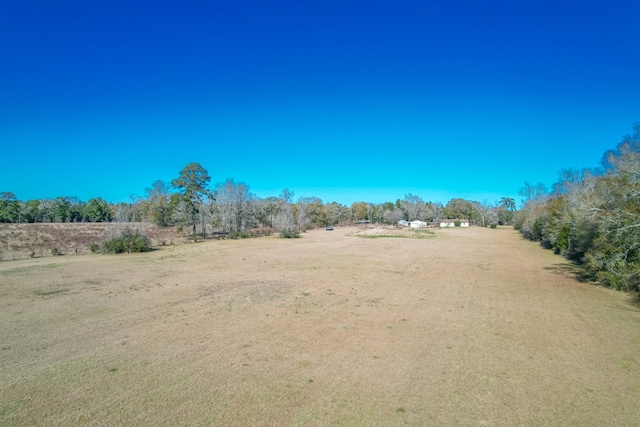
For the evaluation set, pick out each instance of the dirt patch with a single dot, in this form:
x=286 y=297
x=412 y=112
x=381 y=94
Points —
x=468 y=327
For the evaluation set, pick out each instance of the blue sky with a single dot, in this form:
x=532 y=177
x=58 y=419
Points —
x=342 y=100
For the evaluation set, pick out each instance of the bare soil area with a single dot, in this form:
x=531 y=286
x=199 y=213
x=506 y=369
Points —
x=468 y=327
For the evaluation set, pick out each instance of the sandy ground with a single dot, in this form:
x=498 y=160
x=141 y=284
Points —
x=469 y=327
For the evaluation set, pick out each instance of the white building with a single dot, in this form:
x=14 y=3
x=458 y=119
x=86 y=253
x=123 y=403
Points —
x=417 y=224
x=452 y=222
x=403 y=223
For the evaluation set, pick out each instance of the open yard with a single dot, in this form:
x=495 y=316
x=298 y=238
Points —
x=468 y=327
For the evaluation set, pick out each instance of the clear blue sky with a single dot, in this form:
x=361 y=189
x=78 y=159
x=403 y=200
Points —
x=342 y=100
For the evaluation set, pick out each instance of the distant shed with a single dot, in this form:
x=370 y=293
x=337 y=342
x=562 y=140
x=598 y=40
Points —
x=452 y=222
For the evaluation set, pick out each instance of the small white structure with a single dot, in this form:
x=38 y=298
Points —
x=403 y=223
x=417 y=224
x=452 y=222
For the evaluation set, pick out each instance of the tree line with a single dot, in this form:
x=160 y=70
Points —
x=230 y=208
x=592 y=216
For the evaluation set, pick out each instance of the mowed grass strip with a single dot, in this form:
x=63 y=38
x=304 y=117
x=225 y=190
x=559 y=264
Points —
x=469 y=327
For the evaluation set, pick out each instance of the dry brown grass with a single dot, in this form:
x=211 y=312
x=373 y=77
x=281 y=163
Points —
x=470 y=327
x=20 y=241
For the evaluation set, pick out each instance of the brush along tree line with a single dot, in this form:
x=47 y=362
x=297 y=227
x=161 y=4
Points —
x=592 y=216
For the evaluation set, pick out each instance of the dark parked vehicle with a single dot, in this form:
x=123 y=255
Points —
x=329 y=228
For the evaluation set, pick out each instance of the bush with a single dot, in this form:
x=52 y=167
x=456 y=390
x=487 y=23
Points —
x=246 y=234
x=95 y=248
x=457 y=223
x=127 y=242
x=563 y=240
x=55 y=252
x=493 y=225
x=289 y=234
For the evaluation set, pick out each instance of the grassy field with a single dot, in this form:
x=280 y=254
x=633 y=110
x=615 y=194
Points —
x=468 y=327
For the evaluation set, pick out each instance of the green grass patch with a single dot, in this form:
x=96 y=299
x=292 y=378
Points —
x=383 y=236
x=28 y=269
x=49 y=292
x=402 y=234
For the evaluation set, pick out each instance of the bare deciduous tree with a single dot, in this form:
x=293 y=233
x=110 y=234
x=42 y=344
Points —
x=233 y=207
x=158 y=199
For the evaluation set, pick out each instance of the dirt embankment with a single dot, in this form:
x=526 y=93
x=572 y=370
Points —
x=19 y=241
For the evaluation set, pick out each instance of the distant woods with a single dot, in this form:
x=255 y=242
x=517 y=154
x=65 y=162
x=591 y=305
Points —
x=229 y=208
x=592 y=216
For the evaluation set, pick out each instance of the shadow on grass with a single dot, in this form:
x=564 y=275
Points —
x=635 y=300
x=577 y=272
x=571 y=269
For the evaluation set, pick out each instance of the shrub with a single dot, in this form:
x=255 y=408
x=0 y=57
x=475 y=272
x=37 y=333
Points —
x=289 y=234
x=457 y=223
x=55 y=252
x=127 y=242
x=250 y=233
x=493 y=225
x=95 y=248
x=563 y=239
